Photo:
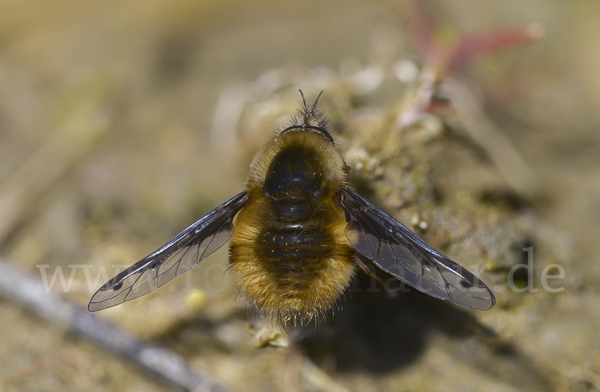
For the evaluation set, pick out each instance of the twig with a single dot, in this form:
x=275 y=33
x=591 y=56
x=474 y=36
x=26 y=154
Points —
x=153 y=360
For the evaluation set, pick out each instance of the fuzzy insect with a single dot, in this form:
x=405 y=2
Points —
x=299 y=229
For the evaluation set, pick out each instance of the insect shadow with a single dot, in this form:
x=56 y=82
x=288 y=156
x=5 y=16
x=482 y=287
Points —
x=381 y=332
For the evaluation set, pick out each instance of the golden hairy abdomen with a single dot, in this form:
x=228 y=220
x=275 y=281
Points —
x=291 y=273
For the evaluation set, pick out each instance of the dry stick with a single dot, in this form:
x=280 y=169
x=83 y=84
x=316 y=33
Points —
x=153 y=360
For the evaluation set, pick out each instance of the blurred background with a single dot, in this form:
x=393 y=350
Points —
x=122 y=122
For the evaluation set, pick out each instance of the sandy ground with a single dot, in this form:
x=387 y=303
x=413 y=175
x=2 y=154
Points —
x=123 y=122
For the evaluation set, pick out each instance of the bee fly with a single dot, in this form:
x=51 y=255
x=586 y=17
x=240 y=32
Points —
x=298 y=230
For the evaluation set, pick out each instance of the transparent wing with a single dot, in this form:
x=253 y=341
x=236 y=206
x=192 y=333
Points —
x=400 y=252
x=175 y=257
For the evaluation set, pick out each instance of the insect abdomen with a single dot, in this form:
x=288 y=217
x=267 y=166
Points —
x=293 y=273
x=293 y=256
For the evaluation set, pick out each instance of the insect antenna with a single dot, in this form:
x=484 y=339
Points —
x=304 y=101
x=314 y=106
